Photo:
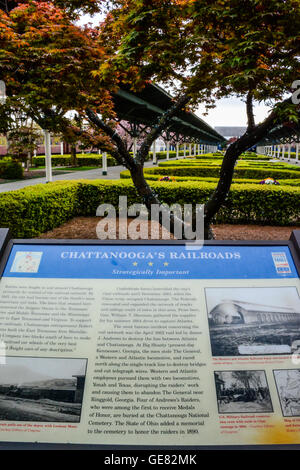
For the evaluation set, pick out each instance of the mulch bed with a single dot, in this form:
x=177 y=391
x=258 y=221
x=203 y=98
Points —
x=85 y=228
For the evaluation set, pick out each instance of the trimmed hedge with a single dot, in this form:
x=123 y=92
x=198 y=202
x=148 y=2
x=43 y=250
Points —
x=85 y=160
x=82 y=160
x=255 y=156
x=95 y=159
x=286 y=155
x=11 y=170
x=126 y=175
x=33 y=210
x=62 y=160
x=163 y=155
x=36 y=209
x=244 y=156
x=240 y=164
x=207 y=171
x=279 y=165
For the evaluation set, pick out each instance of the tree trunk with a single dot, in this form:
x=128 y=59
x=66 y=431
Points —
x=28 y=161
x=253 y=135
x=149 y=198
x=73 y=155
x=221 y=192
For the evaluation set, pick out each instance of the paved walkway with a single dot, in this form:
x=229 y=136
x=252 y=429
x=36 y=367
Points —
x=113 y=173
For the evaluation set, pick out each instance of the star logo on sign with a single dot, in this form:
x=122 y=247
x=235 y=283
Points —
x=150 y=263
x=135 y=263
x=166 y=264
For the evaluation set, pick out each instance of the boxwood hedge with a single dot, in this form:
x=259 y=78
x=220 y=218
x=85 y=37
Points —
x=240 y=164
x=214 y=171
x=36 y=209
x=244 y=156
x=126 y=175
x=11 y=170
x=82 y=160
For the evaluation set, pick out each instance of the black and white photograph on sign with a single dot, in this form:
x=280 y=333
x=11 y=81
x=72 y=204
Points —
x=247 y=321
x=243 y=391
x=41 y=389
x=288 y=388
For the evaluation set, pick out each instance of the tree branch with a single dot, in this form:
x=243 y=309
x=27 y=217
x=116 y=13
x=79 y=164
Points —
x=162 y=124
x=126 y=158
x=248 y=140
x=250 y=114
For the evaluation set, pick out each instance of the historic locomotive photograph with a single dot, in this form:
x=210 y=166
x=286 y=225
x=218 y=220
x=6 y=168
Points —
x=253 y=320
x=243 y=391
x=41 y=389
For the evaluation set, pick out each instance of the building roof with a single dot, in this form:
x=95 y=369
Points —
x=254 y=305
x=285 y=133
x=144 y=107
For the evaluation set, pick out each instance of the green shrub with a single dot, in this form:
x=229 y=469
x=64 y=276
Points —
x=290 y=182
x=254 y=156
x=36 y=209
x=95 y=160
x=244 y=156
x=62 y=160
x=82 y=160
x=11 y=170
x=286 y=155
x=214 y=171
x=217 y=164
x=33 y=210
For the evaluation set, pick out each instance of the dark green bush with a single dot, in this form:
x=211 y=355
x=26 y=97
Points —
x=57 y=160
x=82 y=160
x=11 y=170
x=286 y=155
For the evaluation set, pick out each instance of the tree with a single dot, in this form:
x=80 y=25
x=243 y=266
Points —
x=244 y=377
x=204 y=50
x=21 y=132
x=47 y=64
x=249 y=48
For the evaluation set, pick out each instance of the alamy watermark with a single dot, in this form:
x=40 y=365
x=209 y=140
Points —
x=296 y=94
x=184 y=222
x=2 y=92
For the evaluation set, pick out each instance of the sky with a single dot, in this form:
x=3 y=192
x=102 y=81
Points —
x=285 y=297
x=33 y=367
x=229 y=112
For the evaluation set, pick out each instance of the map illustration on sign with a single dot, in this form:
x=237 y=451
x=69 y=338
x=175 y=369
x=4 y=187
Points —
x=26 y=262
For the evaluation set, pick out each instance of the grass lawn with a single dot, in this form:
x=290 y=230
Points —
x=82 y=168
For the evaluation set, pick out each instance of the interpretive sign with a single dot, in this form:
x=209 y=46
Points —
x=150 y=344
